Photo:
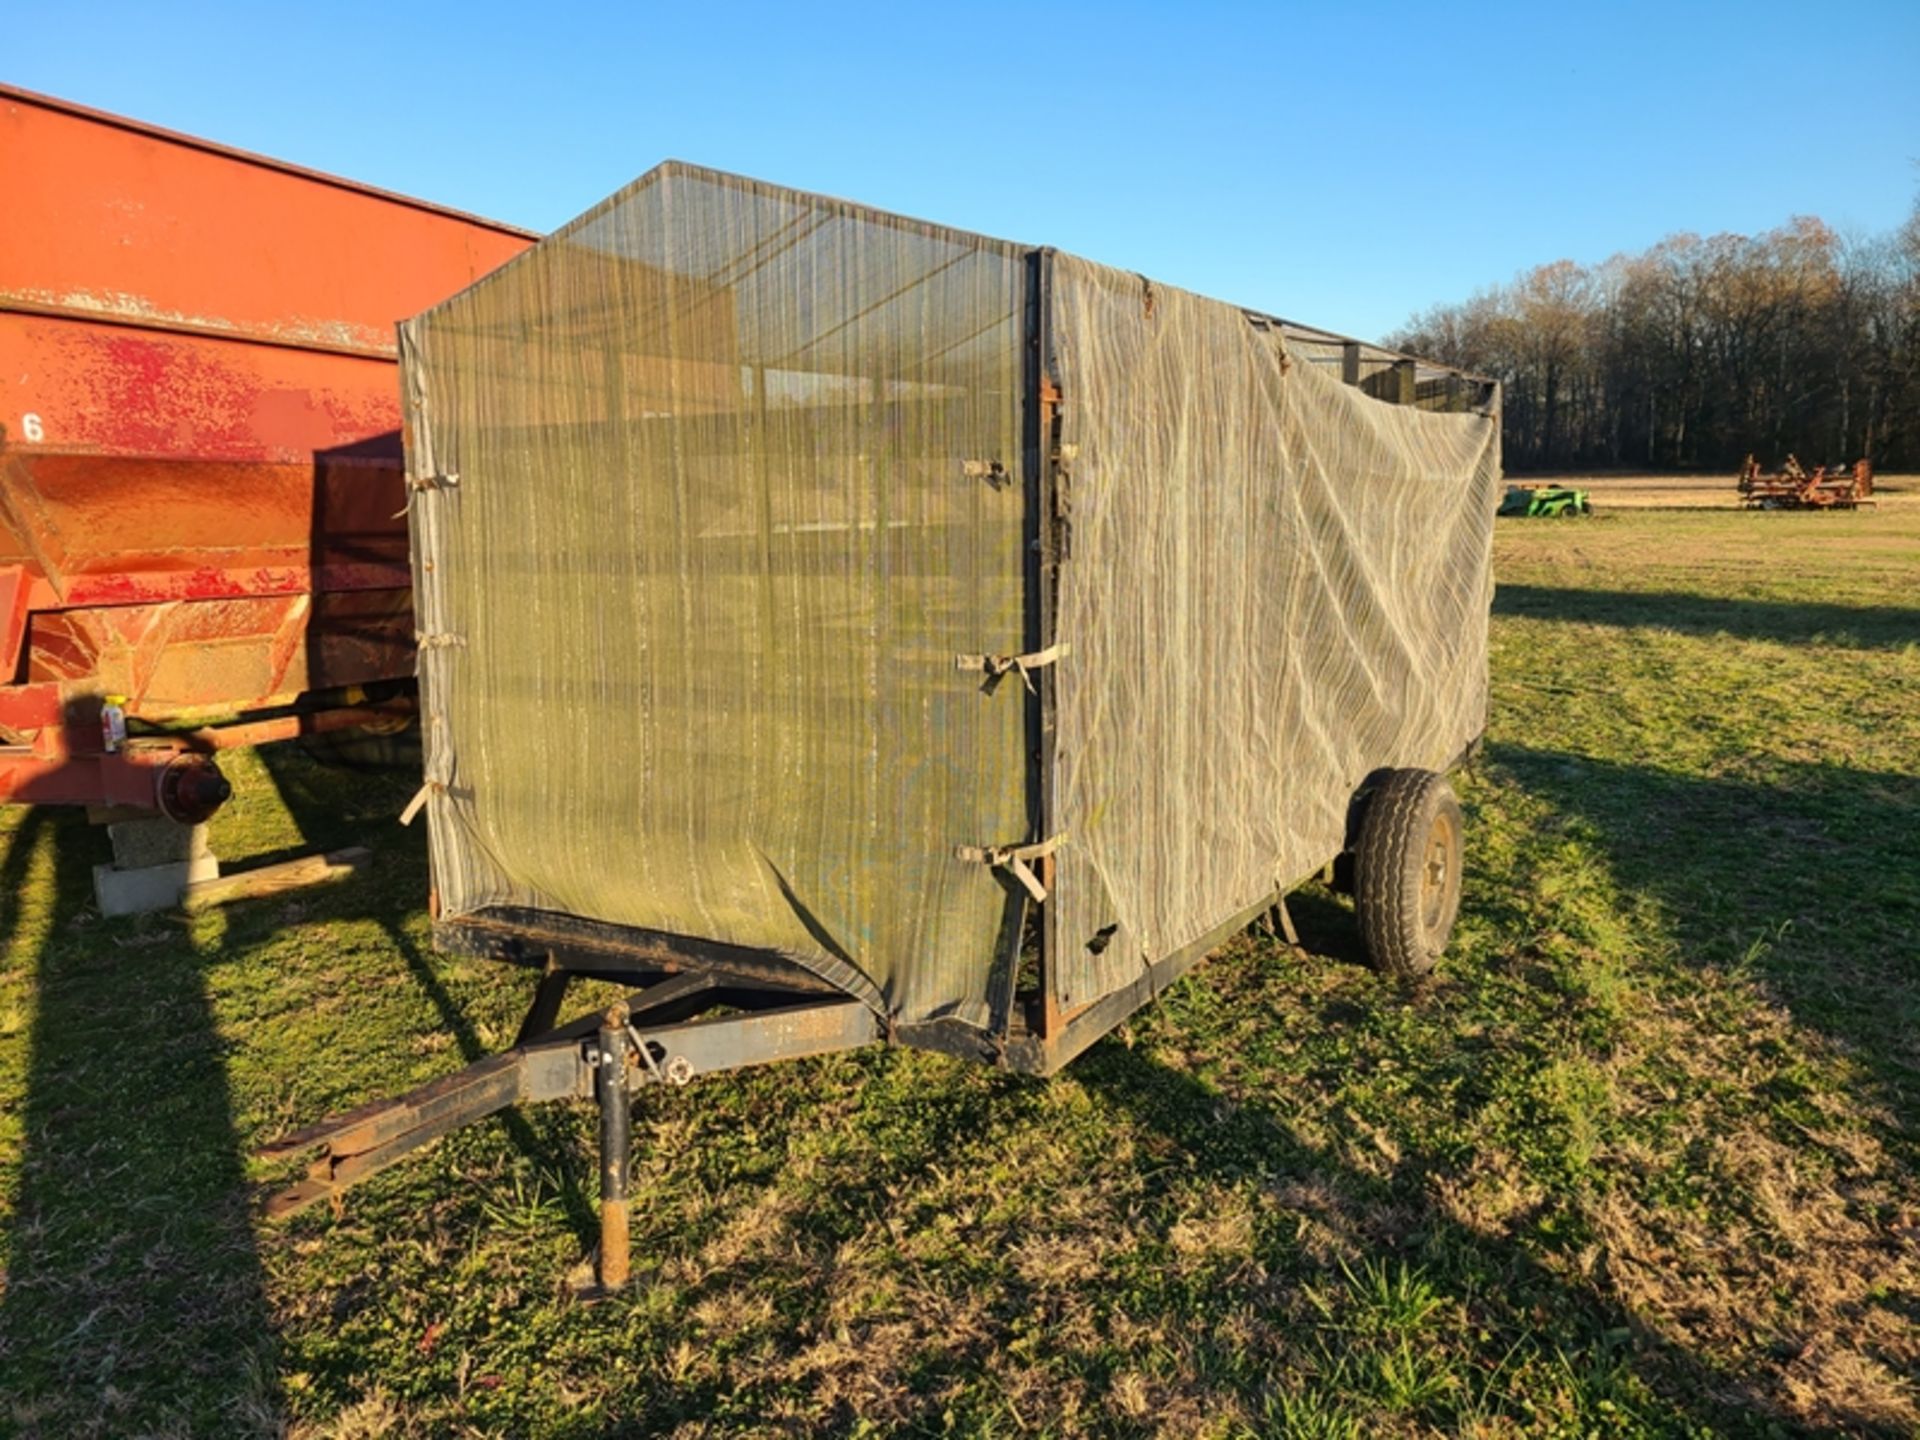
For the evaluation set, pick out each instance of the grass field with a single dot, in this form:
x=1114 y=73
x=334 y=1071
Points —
x=1642 y=1159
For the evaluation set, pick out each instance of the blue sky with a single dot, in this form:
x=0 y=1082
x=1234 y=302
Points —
x=1343 y=165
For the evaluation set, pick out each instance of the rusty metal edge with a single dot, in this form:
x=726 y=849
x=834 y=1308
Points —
x=1053 y=530
x=528 y=937
x=1316 y=334
x=13 y=305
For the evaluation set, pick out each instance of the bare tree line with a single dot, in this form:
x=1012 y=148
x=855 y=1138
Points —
x=1702 y=349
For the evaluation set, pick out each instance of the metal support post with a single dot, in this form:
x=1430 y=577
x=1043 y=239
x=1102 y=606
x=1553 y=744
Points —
x=616 y=1135
x=544 y=1013
x=1406 y=383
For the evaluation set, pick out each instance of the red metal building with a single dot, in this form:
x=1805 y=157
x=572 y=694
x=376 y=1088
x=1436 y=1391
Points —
x=200 y=460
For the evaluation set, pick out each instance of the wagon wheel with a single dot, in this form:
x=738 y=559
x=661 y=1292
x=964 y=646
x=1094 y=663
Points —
x=366 y=748
x=1406 y=871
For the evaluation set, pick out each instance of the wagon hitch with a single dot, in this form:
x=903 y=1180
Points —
x=191 y=788
x=649 y=1038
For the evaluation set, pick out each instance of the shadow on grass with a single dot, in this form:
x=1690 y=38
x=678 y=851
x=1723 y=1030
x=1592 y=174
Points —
x=311 y=791
x=133 y=1296
x=1624 y=1377
x=129 y=1208
x=1809 y=883
x=917 y=1113
x=1854 y=627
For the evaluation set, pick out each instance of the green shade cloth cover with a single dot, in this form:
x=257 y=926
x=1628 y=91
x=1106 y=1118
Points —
x=716 y=489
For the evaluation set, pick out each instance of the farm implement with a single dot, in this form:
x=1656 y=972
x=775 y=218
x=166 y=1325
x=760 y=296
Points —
x=1794 y=487
x=201 y=537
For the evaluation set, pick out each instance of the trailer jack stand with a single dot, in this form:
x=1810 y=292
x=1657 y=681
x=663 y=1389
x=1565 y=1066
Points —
x=612 y=1055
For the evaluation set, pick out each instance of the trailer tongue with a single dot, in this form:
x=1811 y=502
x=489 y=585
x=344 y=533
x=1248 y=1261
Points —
x=652 y=1037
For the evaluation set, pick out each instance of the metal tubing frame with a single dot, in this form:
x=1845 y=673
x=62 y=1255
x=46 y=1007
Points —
x=540 y=938
x=1053 y=529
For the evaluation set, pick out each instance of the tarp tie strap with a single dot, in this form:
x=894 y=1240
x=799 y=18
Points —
x=419 y=801
x=418 y=483
x=1013 y=859
x=996 y=666
x=991 y=471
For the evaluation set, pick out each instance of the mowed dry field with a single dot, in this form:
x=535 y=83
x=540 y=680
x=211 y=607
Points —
x=1642 y=1158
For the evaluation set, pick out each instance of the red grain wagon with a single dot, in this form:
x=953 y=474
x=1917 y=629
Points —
x=201 y=528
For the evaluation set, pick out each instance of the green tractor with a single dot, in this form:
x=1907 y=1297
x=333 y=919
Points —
x=1545 y=500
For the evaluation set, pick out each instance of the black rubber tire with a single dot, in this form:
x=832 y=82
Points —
x=1406 y=871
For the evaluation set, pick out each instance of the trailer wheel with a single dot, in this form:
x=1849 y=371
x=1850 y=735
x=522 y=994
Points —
x=1406 y=871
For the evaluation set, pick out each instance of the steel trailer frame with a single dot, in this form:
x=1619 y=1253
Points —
x=665 y=1032
x=662 y=1033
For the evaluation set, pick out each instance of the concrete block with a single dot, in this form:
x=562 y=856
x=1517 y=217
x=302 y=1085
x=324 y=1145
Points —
x=139 y=892
x=166 y=857
x=114 y=814
x=155 y=841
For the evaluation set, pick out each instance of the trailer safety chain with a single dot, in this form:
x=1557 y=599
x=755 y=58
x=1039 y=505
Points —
x=1013 y=859
x=647 y=1062
x=998 y=667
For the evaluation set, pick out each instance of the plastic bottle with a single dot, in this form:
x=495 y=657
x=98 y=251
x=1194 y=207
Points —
x=113 y=722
